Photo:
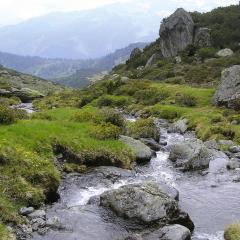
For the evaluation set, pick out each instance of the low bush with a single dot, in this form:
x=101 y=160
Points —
x=186 y=100
x=7 y=115
x=113 y=101
x=143 y=128
x=232 y=232
x=105 y=131
x=114 y=117
x=151 y=96
x=205 y=53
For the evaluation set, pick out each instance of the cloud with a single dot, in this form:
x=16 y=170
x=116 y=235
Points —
x=13 y=11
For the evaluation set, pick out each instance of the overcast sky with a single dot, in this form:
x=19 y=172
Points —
x=14 y=11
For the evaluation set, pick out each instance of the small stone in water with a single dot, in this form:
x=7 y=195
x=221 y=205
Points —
x=26 y=211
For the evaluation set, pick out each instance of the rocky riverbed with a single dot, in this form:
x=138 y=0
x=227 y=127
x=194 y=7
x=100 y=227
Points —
x=109 y=203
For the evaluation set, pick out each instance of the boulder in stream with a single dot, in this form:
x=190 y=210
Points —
x=145 y=204
x=179 y=126
x=190 y=155
x=143 y=153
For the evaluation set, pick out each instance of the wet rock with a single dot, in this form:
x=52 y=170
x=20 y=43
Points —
x=171 y=232
x=143 y=153
x=54 y=222
x=179 y=126
x=176 y=33
x=190 y=155
x=37 y=214
x=143 y=203
x=236 y=155
x=26 y=211
x=211 y=144
x=228 y=92
x=23 y=232
x=38 y=223
x=111 y=173
x=225 y=52
x=151 y=143
x=234 y=149
x=233 y=163
x=153 y=60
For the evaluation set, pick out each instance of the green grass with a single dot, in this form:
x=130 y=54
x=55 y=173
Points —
x=232 y=232
x=4 y=233
x=28 y=175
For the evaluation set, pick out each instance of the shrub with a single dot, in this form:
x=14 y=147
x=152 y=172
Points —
x=223 y=129
x=105 y=131
x=7 y=115
x=205 y=53
x=151 y=96
x=114 y=101
x=88 y=114
x=143 y=128
x=186 y=100
x=114 y=117
x=232 y=232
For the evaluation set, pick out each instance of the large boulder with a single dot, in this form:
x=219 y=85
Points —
x=145 y=204
x=143 y=153
x=225 y=52
x=153 y=60
x=202 y=37
x=176 y=33
x=228 y=92
x=180 y=126
x=190 y=155
x=171 y=232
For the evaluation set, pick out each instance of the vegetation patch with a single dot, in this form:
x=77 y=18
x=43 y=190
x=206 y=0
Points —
x=232 y=232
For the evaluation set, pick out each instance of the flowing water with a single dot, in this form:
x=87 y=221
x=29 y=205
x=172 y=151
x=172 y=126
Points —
x=211 y=199
x=28 y=107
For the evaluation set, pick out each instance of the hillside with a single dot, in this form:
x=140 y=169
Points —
x=26 y=87
x=73 y=73
x=87 y=34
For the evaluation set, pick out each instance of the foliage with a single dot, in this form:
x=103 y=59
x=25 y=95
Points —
x=224 y=24
x=205 y=53
x=232 y=232
x=72 y=167
x=186 y=100
x=105 y=131
x=143 y=128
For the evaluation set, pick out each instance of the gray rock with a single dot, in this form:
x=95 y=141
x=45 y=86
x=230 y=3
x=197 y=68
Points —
x=202 y=37
x=176 y=33
x=26 y=210
x=125 y=79
x=23 y=232
x=233 y=164
x=225 y=52
x=171 y=232
x=236 y=155
x=179 y=126
x=37 y=214
x=54 y=222
x=212 y=144
x=190 y=155
x=151 y=143
x=234 y=149
x=135 y=53
x=228 y=92
x=153 y=60
x=226 y=142
x=37 y=223
x=143 y=153
x=144 y=203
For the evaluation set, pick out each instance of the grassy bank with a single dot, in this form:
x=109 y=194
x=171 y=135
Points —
x=28 y=173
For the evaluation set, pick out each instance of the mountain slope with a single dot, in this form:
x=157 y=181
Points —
x=77 y=35
x=74 y=73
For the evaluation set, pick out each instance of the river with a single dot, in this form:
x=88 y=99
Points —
x=211 y=199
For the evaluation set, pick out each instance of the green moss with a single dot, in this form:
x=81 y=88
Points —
x=232 y=232
x=143 y=128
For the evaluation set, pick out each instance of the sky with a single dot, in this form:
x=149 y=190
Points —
x=15 y=11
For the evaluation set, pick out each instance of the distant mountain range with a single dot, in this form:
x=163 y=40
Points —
x=85 y=34
x=73 y=73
